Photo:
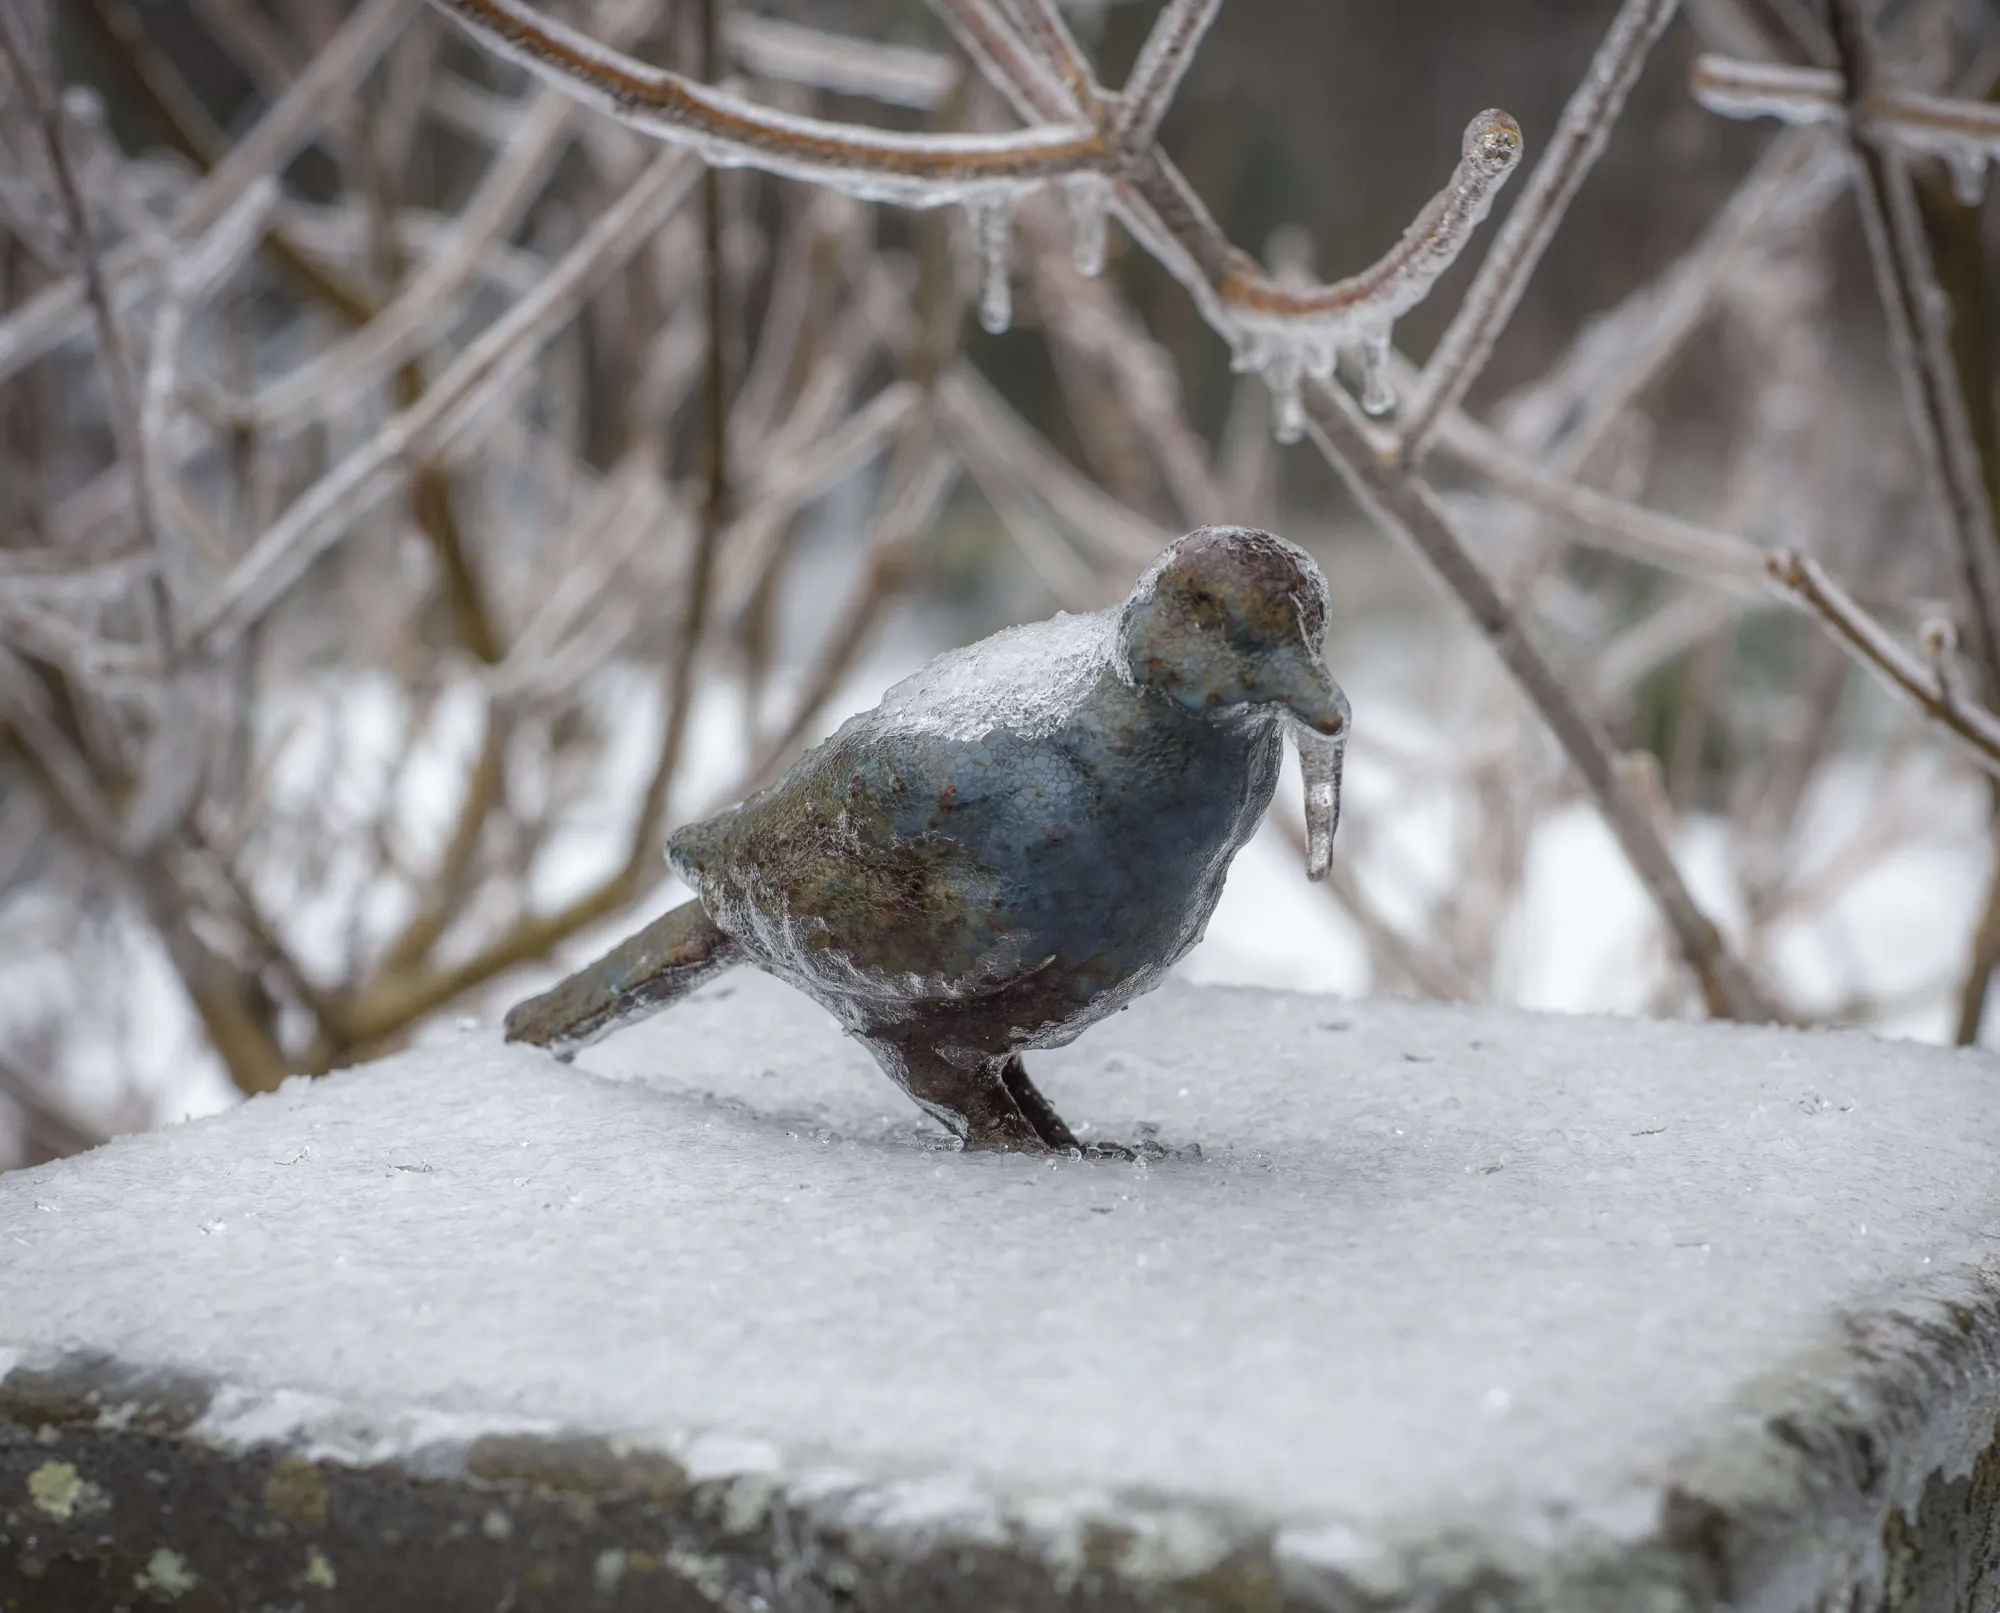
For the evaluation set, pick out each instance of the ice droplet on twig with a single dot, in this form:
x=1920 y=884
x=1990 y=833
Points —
x=1088 y=198
x=993 y=229
x=1282 y=372
x=1285 y=357
x=1377 y=396
x=1968 y=174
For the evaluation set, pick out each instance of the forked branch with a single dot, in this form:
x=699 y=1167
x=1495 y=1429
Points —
x=916 y=170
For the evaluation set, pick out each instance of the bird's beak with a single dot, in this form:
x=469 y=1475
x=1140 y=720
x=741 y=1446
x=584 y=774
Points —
x=1312 y=696
x=1319 y=713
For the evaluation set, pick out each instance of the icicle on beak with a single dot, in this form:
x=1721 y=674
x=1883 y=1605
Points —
x=1319 y=719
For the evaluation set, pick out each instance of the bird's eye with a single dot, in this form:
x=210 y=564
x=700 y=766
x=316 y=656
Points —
x=1205 y=608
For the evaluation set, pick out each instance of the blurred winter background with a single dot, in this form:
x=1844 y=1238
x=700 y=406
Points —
x=377 y=588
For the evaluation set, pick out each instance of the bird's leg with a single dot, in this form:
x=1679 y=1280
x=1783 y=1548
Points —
x=1040 y=1113
x=971 y=1101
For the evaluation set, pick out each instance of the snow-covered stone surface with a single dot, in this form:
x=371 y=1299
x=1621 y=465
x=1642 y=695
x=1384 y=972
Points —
x=1421 y=1307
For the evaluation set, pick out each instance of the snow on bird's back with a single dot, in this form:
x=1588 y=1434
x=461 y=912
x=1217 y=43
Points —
x=1029 y=680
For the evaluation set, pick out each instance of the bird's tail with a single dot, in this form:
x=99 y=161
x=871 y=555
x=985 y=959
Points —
x=640 y=976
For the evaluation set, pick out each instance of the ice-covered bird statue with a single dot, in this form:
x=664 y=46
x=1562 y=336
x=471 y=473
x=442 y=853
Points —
x=1019 y=840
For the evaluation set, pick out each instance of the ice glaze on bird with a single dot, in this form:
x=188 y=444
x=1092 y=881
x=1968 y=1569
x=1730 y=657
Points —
x=1021 y=838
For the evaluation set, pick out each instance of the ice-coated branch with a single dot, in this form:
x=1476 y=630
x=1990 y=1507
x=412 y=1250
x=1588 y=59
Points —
x=916 y=489
x=121 y=380
x=1931 y=684
x=326 y=384
x=1285 y=333
x=1564 y=414
x=24 y=702
x=1917 y=314
x=48 y=1117
x=328 y=509
x=1794 y=94
x=1163 y=61
x=1073 y=584
x=47 y=318
x=998 y=51
x=1965 y=133
x=1044 y=29
x=1580 y=135
x=1715 y=558
x=1168 y=218
x=895 y=75
x=1087 y=322
x=1121 y=537
x=915 y=170
x=1404 y=503
x=256 y=44
x=787 y=482
x=1434 y=976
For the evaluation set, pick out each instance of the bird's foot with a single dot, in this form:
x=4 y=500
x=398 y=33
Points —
x=1147 y=1150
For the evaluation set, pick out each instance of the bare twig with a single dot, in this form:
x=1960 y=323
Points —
x=1920 y=340
x=887 y=165
x=320 y=516
x=1585 y=125
x=1163 y=59
x=46 y=318
x=1930 y=686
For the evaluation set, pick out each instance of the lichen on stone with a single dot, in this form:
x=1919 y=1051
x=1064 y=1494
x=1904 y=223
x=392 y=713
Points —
x=296 y=1493
x=57 y=1489
x=167 y=1573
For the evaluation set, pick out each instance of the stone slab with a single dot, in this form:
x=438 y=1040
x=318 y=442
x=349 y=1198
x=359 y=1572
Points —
x=1416 y=1307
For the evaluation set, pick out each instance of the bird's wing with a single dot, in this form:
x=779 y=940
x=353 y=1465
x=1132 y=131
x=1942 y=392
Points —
x=893 y=855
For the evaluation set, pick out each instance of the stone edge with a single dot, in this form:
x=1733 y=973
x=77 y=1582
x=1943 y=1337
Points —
x=1866 y=1477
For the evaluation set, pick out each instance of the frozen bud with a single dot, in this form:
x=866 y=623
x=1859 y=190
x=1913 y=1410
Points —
x=1492 y=143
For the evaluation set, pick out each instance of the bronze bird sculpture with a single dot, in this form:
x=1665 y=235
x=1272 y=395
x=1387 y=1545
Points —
x=1020 y=839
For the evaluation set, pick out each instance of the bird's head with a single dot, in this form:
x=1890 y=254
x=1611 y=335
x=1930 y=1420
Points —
x=1229 y=621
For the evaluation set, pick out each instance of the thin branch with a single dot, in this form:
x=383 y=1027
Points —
x=1406 y=505
x=918 y=170
x=717 y=493
x=121 y=381
x=46 y=318
x=59 y=1129
x=794 y=477
x=998 y=51
x=1432 y=975
x=326 y=384
x=1163 y=61
x=1930 y=687
x=918 y=483
x=1916 y=311
x=1959 y=130
x=1697 y=552
x=1044 y=28
x=329 y=509
x=1580 y=135
x=896 y=75
x=1122 y=538
x=1563 y=416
